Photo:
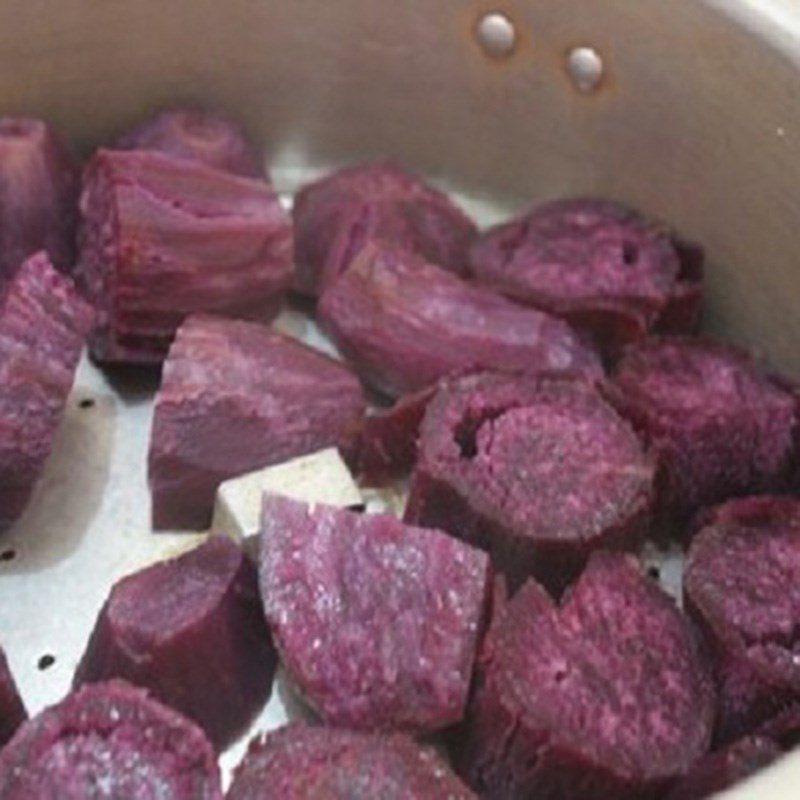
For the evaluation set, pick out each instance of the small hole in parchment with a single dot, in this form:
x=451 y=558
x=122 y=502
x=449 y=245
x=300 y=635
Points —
x=9 y=554
x=46 y=661
x=87 y=402
x=654 y=573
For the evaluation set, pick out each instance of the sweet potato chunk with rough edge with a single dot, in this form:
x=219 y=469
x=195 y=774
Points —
x=235 y=397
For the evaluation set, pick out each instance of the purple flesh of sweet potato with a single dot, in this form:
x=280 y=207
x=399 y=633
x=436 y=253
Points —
x=198 y=136
x=742 y=584
x=537 y=471
x=12 y=710
x=301 y=762
x=192 y=632
x=39 y=185
x=107 y=742
x=163 y=238
x=599 y=265
x=719 y=425
x=376 y=622
x=387 y=442
x=236 y=396
x=43 y=325
x=335 y=217
x=605 y=696
x=404 y=324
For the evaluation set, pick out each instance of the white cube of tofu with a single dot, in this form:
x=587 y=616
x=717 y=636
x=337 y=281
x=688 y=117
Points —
x=316 y=478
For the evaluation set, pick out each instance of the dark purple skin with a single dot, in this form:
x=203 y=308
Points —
x=742 y=585
x=783 y=728
x=163 y=238
x=234 y=397
x=598 y=264
x=109 y=741
x=387 y=442
x=404 y=324
x=39 y=185
x=337 y=216
x=376 y=622
x=607 y=695
x=12 y=709
x=536 y=471
x=301 y=762
x=720 y=770
x=719 y=425
x=198 y=136
x=43 y=326
x=192 y=632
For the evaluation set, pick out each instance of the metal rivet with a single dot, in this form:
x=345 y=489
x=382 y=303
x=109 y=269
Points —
x=496 y=35
x=585 y=68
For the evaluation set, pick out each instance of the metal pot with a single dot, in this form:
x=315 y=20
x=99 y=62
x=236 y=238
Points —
x=687 y=109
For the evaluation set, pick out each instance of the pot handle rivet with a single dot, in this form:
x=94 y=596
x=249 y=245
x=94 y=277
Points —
x=496 y=34
x=585 y=68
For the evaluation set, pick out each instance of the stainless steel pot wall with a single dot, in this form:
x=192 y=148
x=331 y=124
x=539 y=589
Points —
x=696 y=117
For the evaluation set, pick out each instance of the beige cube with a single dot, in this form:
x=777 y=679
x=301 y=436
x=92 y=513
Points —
x=320 y=477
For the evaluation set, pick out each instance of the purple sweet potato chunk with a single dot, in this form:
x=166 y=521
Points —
x=387 y=442
x=192 y=632
x=537 y=471
x=109 y=741
x=301 y=762
x=598 y=264
x=724 y=768
x=43 y=325
x=376 y=622
x=39 y=185
x=164 y=237
x=12 y=710
x=405 y=323
x=742 y=584
x=234 y=397
x=198 y=136
x=607 y=695
x=783 y=728
x=335 y=217
x=719 y=425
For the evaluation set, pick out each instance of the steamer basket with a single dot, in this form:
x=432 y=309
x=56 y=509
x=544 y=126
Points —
x=687 y=109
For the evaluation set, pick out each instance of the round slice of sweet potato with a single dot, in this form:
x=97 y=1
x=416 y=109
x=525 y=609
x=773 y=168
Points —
x=537 y=471
x=301 y=762
x=600 y=265
x=107 y=742
x=742 y=584
x=607 y=695
x=719 y=425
